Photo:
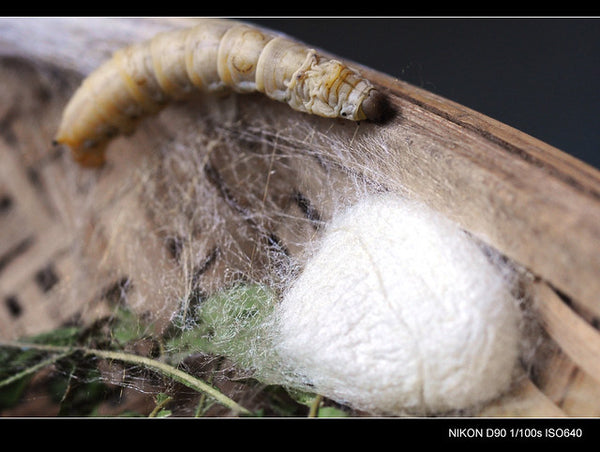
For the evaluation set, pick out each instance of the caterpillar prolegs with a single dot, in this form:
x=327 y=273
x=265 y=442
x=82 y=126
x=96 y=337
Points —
x=141 y=79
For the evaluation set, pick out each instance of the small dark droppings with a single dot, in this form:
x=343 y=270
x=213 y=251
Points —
x=377 y=107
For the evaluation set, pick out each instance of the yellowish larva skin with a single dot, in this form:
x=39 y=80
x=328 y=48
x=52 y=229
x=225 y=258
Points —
x=141 y=79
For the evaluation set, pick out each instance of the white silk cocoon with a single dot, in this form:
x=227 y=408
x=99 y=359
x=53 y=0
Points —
x=399 y=311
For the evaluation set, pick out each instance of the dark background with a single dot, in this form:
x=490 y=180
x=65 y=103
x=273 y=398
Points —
x=539 y=75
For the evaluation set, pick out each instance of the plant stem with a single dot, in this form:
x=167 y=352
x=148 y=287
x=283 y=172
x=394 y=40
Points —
x=165 y=369
x=34 y=368
x=160 y=406
x=314 y=408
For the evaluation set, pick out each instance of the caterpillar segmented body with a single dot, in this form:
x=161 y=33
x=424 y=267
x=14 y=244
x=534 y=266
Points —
x=141 y=79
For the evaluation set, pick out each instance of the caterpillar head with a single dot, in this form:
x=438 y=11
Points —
x=86 y=150
x=87 y=156
x=375 y=107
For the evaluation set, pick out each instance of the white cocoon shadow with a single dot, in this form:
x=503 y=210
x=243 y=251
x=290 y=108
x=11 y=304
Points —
x=400 y=311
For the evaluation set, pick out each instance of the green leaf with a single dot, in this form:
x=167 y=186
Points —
x=126 y=326
x=159 y=411
x=162 y=398
x=18 y=365
x=163 y=413
x=228 y=322
x=302 y=397
x=11 y=394
x=60 y=336
x=328 y=411
x=78 y=393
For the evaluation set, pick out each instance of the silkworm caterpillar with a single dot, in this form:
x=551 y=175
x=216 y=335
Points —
x=215 y=55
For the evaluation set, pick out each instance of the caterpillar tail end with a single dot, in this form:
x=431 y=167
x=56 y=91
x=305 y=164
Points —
x=376 y=107
x=86 y=156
